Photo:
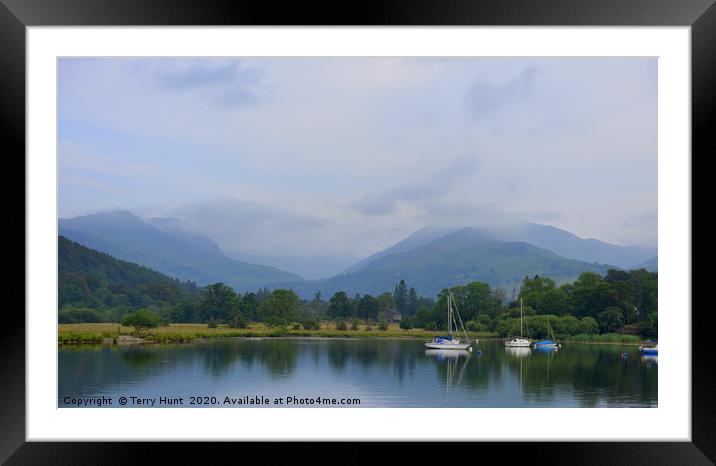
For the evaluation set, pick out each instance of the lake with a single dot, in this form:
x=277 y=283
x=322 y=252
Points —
x=377 y=372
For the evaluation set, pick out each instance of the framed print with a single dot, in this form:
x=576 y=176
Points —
x=409 y=223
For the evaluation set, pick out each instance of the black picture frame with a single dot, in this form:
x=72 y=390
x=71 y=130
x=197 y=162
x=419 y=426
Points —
x=16 y=15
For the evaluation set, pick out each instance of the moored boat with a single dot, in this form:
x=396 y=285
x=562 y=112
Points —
x=449 y=342
x=520 y=342
x=547 y=344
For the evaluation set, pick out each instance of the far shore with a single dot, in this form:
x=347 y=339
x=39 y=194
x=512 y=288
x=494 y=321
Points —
x=116 y=334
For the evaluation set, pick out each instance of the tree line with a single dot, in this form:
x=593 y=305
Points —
x=618 y=302
x=95 y=287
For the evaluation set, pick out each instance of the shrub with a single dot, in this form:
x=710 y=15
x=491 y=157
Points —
x=212 y=323
x=406 y=323
x=341 y=325
x=382 y=325
x=484 y=320
x=354 y=324
x=140 y=319
x=311 y=324
x=504 y=327
x=239 y=321
x=588 y=325
x=295 y=326
x=472 y=326
x=278 y=332
x=431 y=326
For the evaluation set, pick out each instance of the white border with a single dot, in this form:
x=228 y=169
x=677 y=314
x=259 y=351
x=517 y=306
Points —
x=670 y=421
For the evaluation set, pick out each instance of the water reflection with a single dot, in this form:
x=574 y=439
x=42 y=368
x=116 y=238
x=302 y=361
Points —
x=451 y=360
x=139 y=357
x=520 y=352
x=442 y=354
x=650 y=360
x=383 y=372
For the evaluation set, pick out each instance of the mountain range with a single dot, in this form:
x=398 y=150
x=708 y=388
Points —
x=554 y=239
x=458 y=257
x=429 y=259
x=161 y=245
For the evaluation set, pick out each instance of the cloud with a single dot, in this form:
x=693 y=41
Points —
x=242 y=226
x=440 y=182
x=484 y=99
x=242 y=216
x=344 y=156
x=647 y=220
x=376 y=204
x=640 y=228
x=227 y=83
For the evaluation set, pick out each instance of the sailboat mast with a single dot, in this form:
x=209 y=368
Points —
x=450 y=316
x=520 y=317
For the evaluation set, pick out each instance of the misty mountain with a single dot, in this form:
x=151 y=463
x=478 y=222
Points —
x=308 y=267
x=572 y=246
x=89 y=278
x=454 y=259
x=554 y=239
x=163 y=245
x=420 y=238
x=175 y=227
x=652 y=265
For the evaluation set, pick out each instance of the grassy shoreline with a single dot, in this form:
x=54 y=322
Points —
x=110 y=333
x=177 y=333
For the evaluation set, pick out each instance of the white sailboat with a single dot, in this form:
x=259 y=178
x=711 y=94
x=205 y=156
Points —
x=518 y=342
x=449 y=342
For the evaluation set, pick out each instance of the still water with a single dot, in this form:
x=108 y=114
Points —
x=379 y=373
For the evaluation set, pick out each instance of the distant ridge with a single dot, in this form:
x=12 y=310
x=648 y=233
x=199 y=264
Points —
x=554 y=239
x=430 y=259
x=161 y=245
x=457 y=258
x=652 y=265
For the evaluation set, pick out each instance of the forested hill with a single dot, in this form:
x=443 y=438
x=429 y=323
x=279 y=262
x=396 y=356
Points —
x=95 y=280
x=455 y=259
x=161 y=245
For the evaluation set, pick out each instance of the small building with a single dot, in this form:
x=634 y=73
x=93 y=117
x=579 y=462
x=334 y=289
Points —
x=392 y=315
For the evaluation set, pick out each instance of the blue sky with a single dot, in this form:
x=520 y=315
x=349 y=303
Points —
x=336 y=158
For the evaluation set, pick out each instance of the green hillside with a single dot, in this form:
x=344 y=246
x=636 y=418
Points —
x=454 y=259
x=91 y=280
x=172 y=252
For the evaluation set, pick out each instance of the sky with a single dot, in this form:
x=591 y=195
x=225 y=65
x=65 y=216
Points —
x=329 y=160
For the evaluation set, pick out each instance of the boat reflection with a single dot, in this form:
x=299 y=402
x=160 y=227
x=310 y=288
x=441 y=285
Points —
x=650 y=360
x=442 y=355
x=519 y=352
x=451 y=357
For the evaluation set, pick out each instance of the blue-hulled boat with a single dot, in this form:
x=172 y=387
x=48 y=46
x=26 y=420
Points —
x=547 y=344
